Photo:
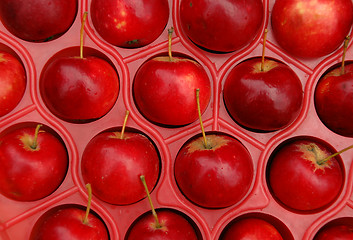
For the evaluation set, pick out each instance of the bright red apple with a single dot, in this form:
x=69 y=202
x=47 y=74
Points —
x=38 y=20
x=263 y=99
x=216 y=175
x=251 y=229
x=12 y=82
x=129 y=24
x=33 y=163
x=302 y=178
x=221 y=26
x=311 y=28
x=112 y=163
x=335 y=232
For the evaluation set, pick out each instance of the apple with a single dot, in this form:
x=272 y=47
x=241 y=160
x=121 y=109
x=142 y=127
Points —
x=304 y=176
x=251 y=229
x=335 y=232
x=12 y=82
x=214 y=175
x=79 y=89
x=263 y=97
x=311 y=28
x=70 y=221
x=38 y=20
x=112 y=163
x=222 y=26
x=129 y=24
x=33 y=163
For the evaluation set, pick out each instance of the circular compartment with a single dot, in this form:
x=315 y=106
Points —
x=79 y=90
x=301 y=177
x=338 y=229
x=34 y=161
x=215 y=173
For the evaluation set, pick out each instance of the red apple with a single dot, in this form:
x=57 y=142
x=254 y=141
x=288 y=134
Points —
x=33 y=163
x=12 y=82
x=113 y=164
x=217 y=175
x=251 y=229
x=334 y=100
x=164 y=90
x=222 y=26
x=66 y=222
x=311 y=28
x=37 y=20
x=335 y=232
x=263 y=100
x=301 y=178
x=129 y=24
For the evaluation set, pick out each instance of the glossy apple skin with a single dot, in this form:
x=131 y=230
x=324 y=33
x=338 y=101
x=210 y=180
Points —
x=113 y=166
x=174 y=226
x=299 y=182
x=334 y=100
x=28 y=174
x=311 y=28
x=37 y=20
x=221 y=26
x=76 y=89
x=266 y=100
x=63 y=223
x=129 y=24
x=251 y=229
x=165 y=91
x=335 y=232
x=214 y=178
x=12 y=82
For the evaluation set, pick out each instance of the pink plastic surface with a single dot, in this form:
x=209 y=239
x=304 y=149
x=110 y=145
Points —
x=18 y=218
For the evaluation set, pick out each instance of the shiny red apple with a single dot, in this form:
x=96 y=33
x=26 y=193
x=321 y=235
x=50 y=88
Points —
x=164 y=90
x=263 y=99
x=301 y=177
x=334 y=100
x=216 y=175
x=12 y=82
x=311 y=28
x=335 y=232
x=129 y=24
x=113 y=163
x=221 y=26
x=251 y=229
x=38 y=20
x=33 y=163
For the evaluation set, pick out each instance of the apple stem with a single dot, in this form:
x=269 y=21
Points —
x=81 y=33
x=89 y=189
x=35 y=140
x=158 y=225
x=345 y=46
x=124 y=125
x=263 y=51
x=200 y=118
x=334 y=155
x=170 y=33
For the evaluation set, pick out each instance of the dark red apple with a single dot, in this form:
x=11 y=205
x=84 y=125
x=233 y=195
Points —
x=311 y=28
x=335 y=232
x=129 y=24
x=12 y=82
x=113 y=164
x=33 y=163
x=67 y=222
x=221 y=26
x=164 y=90
x=263 y=100
x=217 y=175
x=334 y=100
x=300 y=177
x=173 y=226
x=38 y=20
x=251 y=229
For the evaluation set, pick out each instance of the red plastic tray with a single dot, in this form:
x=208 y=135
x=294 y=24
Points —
x=18 y=218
